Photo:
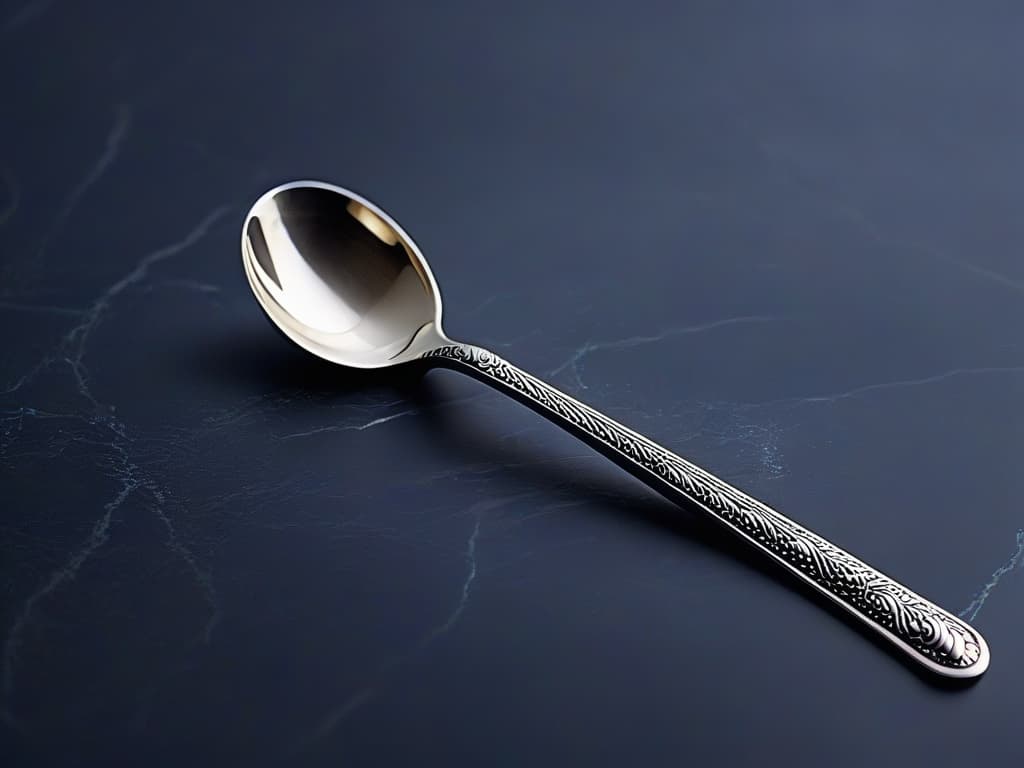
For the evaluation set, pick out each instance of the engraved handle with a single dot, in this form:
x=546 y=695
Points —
x=930 y=635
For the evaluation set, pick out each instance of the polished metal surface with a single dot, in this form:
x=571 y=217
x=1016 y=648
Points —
x=340 y=278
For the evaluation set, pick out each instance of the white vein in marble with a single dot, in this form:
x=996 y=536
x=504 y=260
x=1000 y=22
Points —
x=111 y=438
x=575 y=360
x=118 y=131
x=1016 y=560
x=333 y=719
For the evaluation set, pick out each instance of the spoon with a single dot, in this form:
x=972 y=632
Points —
x=341 y=279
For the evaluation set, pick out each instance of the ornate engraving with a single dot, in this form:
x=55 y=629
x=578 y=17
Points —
x=926 y=628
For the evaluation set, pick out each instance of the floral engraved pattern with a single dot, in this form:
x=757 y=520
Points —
x=927 y=629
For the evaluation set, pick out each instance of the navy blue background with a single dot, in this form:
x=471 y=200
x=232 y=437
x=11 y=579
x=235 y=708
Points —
x=784 y=239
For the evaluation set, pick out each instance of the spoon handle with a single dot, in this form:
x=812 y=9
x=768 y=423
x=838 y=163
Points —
x=928 y=634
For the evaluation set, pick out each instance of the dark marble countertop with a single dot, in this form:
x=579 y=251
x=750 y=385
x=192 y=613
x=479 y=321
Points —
x=785 y=240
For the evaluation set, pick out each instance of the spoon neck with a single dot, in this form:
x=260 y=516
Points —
x=456 y=354
x=427 y=339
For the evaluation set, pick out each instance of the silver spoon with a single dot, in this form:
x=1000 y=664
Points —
x=342 y=280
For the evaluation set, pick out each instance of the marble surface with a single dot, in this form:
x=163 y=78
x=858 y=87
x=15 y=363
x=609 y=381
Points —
x=784 y=241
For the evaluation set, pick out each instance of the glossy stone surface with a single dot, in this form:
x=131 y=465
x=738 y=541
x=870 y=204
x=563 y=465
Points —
x=783 y=241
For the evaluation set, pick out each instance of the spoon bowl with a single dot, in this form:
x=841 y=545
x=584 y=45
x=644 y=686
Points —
x=339 y=277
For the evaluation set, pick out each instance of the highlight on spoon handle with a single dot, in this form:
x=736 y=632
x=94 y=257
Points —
x=931 y=636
